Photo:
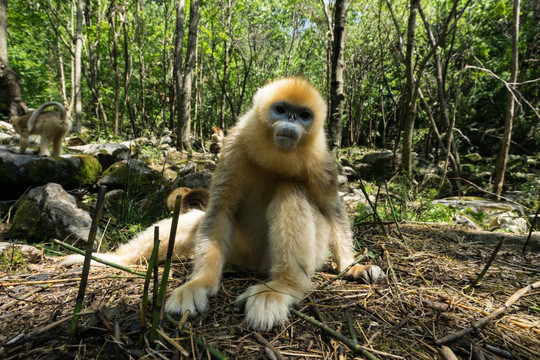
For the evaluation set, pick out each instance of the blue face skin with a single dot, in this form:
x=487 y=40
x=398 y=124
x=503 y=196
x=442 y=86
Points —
x=289 y=123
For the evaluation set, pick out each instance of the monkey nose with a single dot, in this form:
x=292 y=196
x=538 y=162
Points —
x=292 y=117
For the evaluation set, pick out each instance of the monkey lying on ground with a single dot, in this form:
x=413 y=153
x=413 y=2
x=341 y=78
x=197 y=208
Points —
x=274 y=207
x=51 y=125
x=197 y=199
x=139 y=249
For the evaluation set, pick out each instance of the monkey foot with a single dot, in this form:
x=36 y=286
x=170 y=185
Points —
x=267 y=306
x=190 y=297
x=371 y=274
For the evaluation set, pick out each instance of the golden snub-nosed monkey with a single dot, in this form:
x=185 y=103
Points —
x=274 y=207
x=50 y=125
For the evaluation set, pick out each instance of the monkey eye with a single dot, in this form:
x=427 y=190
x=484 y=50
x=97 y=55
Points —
x=279 y=109
x=305 y=115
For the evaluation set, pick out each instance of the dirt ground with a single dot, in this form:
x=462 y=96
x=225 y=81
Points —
x=421 y=301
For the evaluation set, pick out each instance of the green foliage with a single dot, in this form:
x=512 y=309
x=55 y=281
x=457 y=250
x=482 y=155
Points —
x=282 y=38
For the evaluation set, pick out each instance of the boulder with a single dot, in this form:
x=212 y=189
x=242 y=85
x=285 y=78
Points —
x=50 y=212
x=17 y=254
x=107 y=154
x=197 y=180
x=18 y=172
x=131 y=174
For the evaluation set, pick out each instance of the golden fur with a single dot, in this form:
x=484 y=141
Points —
x=51 y=125
x=272 y=209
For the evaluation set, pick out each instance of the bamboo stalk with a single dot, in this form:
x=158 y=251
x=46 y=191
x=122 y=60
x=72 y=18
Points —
x=156 y=314
x=144 y=303
x=87 y=259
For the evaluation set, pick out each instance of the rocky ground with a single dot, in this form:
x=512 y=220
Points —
x=422 y=301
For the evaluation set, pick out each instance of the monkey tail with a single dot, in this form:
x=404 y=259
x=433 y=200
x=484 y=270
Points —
x=139 y=248
x=35 y=114
x=79 y=259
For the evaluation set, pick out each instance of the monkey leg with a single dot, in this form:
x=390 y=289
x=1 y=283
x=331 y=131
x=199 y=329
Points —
x=341 y=246
x=296 y=248
x=44 y=146
x=57 y=145
x=211 y=247
x=23 y=142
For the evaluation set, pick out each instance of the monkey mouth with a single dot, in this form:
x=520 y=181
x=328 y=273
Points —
x=286 y=139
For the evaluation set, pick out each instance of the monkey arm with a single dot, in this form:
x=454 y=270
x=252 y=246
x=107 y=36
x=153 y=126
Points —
x=342 y=248
x=297 y=244
x=213 y=241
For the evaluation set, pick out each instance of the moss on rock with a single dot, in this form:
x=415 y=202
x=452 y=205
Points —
x=89 y=170
x=27 y=223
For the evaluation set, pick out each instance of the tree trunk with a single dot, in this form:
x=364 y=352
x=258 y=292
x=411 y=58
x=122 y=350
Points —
x=142 y=69
x=11 y=104
x=408 y=109
x=78 y=67
x=451 y=152
x=117 y=20
x=3 y=33
x=500 y=167
x=337 y=97
x=178 y=63
x=226 y=60
x=184 y=115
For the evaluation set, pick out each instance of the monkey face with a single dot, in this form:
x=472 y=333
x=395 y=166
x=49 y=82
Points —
x=289 y=122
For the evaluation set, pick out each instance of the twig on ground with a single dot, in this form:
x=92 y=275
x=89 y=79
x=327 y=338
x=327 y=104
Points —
x=394 y=216
x=477 y=325
x=488 y=264
x=354 y=346
x=266 y=343
x=28 y=294
x=215 y=352
x=531 y=230
x=374 y=208
x=171 y=341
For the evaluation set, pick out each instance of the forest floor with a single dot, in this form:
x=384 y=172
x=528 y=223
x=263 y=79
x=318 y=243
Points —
x=421 y=300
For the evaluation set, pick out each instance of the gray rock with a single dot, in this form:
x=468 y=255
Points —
x=50 y=212
x=107 y=154
x=18 y=172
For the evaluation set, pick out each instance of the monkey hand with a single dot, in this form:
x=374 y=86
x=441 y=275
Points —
x=371 y=274
x=192 y=297
x=268 y=304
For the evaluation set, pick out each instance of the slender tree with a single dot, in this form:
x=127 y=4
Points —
x=78 y=67
x=117 y=22
x=408 y=107
x=178 y=57
x=337 y=97
x=502 y=158
x=184 y=123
